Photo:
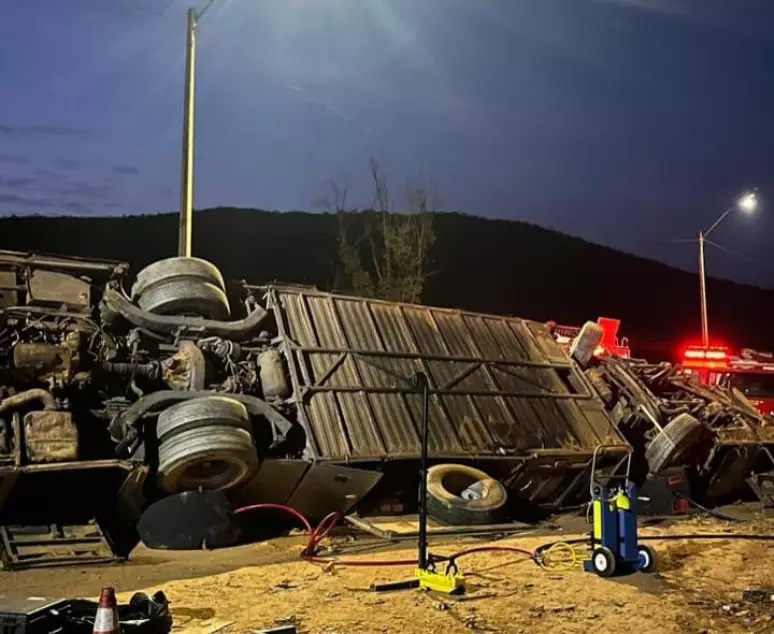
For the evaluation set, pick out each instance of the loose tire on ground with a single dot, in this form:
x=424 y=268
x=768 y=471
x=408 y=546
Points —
x=674 y=442
x=603 y=562
x=446 y=484
x=182 y=286
x=205 y=443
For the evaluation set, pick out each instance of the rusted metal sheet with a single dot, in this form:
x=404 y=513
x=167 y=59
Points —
x=500 y=386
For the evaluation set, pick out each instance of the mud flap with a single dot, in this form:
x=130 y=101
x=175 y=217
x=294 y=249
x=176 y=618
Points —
x=190 y=520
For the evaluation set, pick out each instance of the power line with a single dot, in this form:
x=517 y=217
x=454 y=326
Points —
x=739 y=255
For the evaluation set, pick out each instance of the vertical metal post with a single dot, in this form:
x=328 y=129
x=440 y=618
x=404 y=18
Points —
x=423 y=384
x=703 y=294
x=186 y=176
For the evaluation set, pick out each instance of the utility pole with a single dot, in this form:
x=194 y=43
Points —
x=703 y=294
x=185 y=229
x=186 y=176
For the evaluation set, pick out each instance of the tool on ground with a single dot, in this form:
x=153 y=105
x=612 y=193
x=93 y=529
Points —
x=615 y=548
x=106 y=619
x=426 y=576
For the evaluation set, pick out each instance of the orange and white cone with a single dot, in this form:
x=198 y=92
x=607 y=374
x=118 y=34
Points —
x=106 y=620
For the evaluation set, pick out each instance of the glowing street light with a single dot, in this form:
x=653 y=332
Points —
x=746 y=203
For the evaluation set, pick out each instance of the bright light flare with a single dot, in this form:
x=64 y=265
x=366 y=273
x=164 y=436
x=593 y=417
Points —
x=748 y=203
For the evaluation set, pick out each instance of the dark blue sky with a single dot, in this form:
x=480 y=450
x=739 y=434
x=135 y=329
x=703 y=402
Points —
x=627 y=122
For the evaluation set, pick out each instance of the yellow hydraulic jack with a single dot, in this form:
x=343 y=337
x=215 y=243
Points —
x=426 y=576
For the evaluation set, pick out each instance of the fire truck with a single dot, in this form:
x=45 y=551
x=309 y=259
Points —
x=749 y=371
x=610 y=343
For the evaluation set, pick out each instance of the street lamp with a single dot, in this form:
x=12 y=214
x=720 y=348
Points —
x=186 y=176
x=747 y=203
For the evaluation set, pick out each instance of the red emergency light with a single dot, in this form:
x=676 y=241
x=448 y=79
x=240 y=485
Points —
x=711 y=357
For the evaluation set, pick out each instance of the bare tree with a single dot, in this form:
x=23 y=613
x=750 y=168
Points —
x=384 y=253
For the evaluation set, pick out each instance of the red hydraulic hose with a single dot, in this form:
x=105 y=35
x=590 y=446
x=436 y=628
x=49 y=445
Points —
x=316 y=535
x=328 y=523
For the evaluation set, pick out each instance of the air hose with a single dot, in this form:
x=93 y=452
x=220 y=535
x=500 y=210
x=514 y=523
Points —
x=544 y=555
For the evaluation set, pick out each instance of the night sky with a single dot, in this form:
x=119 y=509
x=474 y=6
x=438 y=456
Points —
x=632 y=123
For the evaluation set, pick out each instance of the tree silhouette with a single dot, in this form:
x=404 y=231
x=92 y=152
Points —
x=384 y=253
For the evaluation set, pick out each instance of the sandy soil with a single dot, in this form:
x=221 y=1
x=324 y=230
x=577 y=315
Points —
x=698 y=588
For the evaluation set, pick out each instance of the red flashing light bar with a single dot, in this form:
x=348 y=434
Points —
x=711 y=358
x=710 y=354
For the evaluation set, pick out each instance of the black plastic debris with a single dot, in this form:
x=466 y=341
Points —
x=759 y=595
x=32 y=615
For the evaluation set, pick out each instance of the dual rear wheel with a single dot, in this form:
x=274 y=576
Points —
x=203 y=443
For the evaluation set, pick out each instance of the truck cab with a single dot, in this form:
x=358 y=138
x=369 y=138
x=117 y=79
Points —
x=749 y=371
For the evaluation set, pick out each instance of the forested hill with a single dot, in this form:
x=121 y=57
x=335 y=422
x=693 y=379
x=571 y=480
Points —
x=484 y=265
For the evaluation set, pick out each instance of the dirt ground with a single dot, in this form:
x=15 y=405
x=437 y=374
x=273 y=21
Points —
x=698 y=588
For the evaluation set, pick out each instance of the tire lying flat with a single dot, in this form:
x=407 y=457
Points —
x=448 y=502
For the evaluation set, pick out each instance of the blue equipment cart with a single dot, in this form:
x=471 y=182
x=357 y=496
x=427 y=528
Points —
x=614 y=545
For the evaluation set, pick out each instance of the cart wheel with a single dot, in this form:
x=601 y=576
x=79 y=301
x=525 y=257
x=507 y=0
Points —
x=603 y=561
x=646 y=559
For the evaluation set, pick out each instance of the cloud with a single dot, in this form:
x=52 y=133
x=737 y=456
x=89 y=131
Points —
x=86 y=191
x=125 y=169
x=76 y=207
x=13 y=158
x=14 y=182
x=23 y=201
x=41 y=130
x=68 y=164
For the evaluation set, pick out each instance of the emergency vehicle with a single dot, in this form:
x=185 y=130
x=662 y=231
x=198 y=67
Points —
x=610 y=343
x=749 y=371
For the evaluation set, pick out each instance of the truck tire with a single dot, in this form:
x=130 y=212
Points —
x=459 y=495
x=182 y=286
x=205 y=443
x=674 y=442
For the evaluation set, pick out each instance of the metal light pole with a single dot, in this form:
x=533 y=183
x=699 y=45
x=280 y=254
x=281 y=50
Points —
x=748 y=204
x=187 y=170
x=703 y=294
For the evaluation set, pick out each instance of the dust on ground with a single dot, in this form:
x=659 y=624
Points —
x=698 y=589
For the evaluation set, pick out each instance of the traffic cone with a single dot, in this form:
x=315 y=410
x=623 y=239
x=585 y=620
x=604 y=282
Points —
x=106 y=620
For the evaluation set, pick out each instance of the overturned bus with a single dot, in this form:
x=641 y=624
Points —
x=116 y=391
